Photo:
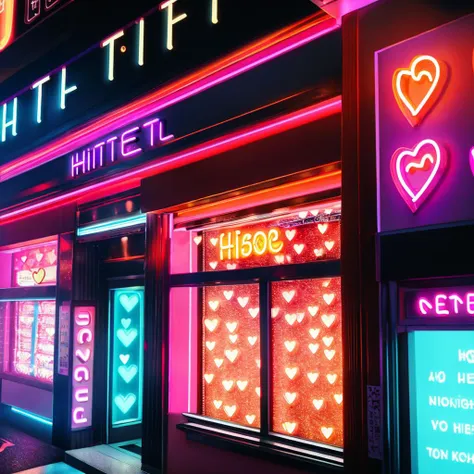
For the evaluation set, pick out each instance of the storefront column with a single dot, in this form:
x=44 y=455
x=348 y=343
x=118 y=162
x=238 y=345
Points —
x=155 y=389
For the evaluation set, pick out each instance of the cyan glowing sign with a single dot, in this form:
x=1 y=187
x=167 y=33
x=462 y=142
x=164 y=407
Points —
x=126 y=364
x=127 y=144
x=83 y=367
x=441 y=380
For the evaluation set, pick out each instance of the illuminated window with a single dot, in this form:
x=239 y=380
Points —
x=261 y=295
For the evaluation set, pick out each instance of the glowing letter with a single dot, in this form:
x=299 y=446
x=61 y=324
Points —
x=259 y=243
x=99 y=147
x=171 y=21
x=84 y=332
x=456 y=300
x=85 y=374
x=141 y=42
x=65 y=90
x=273 y=235
x=39 y=103
x=470 y=303
x=164 y=138
x=82 y=395
x=12 y=122
x=439 y=305
x=227 y=247
x=214 y=11
x=111 y=43
x=79 y=419
x=246 y=245
x=83 y=318
x=77 y=163
x=151 y=124
x=112 y=148
x=125 y=140
x=421 y=303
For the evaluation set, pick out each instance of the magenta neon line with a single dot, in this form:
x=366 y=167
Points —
x=332 y=104
x=179 y=96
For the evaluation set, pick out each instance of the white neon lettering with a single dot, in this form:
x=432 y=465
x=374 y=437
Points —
x=111 y=141
x=82 y=395
x=83 y=318
x=100 y=147
x=110 y=42
x=456 y=302
x=171 y=21
x=64 y=89
x=77 y=163
x=151 y=124
x=164 y=138
x=79 y=420
x=439 y=305
x=214 y=12
x=84 y=336
x=141 y=42
x=39 y=102
x=12 y=122
x=470 y=303
x=83 y=356
x=85 y=374
x=127 y=140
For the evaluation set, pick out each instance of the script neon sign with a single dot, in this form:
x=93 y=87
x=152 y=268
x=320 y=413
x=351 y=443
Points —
x=128 y=144
x=235 y=245
x=83 y=367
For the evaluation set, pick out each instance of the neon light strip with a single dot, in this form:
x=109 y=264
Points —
x=204 y=79
x=32 y=416
x=229 y=142
x=111 y=225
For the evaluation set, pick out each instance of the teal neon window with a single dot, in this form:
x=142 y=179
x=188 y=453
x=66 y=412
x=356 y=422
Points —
x=126 y=364
x=441 y=378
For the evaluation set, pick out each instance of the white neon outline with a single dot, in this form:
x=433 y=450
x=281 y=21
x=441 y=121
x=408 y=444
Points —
x=417 y=196
x=12 y=122
x=141 y=41
x=110 y=41
x=411 y=72
x=127 y=141
x=65 y=91
x=214 y=12
x=170 y=22
x=39 y=103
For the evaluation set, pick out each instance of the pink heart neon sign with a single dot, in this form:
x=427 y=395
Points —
x=416 y=172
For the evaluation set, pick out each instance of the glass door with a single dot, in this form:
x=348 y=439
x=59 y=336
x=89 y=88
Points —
x=125 y=366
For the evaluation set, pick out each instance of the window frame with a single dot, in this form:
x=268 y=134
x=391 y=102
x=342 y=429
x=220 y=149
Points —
x=261 y=442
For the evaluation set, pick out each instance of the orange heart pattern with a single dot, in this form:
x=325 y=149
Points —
x=307 y=367
x=418 y=87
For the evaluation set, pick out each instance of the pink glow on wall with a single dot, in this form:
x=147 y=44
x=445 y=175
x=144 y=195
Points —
x=83 y=367
x=204 y=79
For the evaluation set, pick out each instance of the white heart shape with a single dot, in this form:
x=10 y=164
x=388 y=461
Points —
x=328 y=319
x=279 y=258
x=298 y=248
x=328 y=340
x=232 y=354
x=312 y=376
x=231 y=266
x=257 y=391
x=289 y=295
x=289 y=427
x=214 y=241
x=329 y=244
x=124 y=358
x=231 y=326
x=250 y=419
x=314 y=333
x=313 y=310
x=299 y=317
x=208 y=377
x=228 y=295
x=197 y=239
x=313 y=347
x=211 y=324
x=329 y=354
x=230 y=410
x=318 y=252
x=214 y=305
x=233 y=338
x=213 y=265
x=254 y=312
x=243 y=301
x=210 y=345
x=228 y=384
x=290 y=234
x=218 y=362
x=291 y=372
x=318 y=404
x=331 y=378
x=327 y=432
x=275 y=312
x=242 y=384
x=218 y=403
x=252 y=340
x=290 y=397
x=329 y=298
x=290 y=319
x=322 y=228
x=290 y=345
x=338 y=398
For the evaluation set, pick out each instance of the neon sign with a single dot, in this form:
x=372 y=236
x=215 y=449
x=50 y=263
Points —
x=235 y=245
x=416 y=172
x=126 y=363
x=418 y=87
x=441 y=302
x=7 y=15
x=129 y=143
x=83 y=367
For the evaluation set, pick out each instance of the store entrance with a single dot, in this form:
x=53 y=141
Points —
x=125 y=363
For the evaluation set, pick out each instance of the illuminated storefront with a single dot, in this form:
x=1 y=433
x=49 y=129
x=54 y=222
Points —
x=197 y=268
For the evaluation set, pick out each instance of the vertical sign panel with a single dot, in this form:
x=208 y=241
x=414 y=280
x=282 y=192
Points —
x=126 y=364
x=441 y=378
x=83 y=367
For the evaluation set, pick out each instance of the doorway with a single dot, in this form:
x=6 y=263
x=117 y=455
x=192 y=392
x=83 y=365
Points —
x=125 y=364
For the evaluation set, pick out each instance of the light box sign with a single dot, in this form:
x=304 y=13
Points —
x=441 y=378
x=441 y=303
x=83 y=367
x=35 y=266
x=126 y=364
x=425 y=111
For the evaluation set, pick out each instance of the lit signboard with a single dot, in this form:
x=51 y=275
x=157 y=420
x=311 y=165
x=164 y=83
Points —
x=424 y=102
x=83 y=367
x=441 y=378
x=126 y=363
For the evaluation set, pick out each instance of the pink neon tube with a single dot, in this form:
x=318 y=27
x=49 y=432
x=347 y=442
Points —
x=142 y=108
x=132 y=178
